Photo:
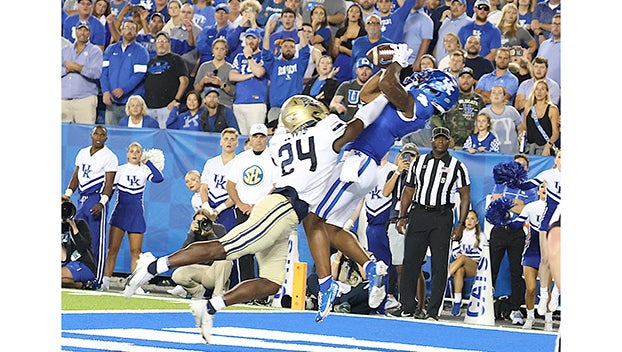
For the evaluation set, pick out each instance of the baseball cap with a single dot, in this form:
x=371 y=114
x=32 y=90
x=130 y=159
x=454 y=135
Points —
x=466 y=70
x=372 y=15
x=209 y=90
x=441 y=131
x=222 y=6
x=254 y=32
x=363 y=62
x=83 y=25
x=463 y=2
x=410 y=148
x=157 y=14
x=163 y=33
x=482 y=2
x=258 y=128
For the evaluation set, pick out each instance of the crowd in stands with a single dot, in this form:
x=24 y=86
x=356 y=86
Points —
x=210 y=65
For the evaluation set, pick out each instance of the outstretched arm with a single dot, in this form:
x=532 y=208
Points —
x=394 y=91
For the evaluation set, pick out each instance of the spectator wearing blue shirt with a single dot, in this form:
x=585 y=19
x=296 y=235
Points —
x=220 y=29
x=287 y=22
x=156 y=23
x=124 y=68
x=489 y=34
x=84 y=15
x=361 y=45
x=418 y=34
x=203 y=13
x=136 y=110
x=392 y=21
x=500 y=76
x=251 y=98
x=189 y=119
x=269 y=8
x=542 y=18
x=216 y=117
x=80 y=71
x=285 y=71
x=452 y=24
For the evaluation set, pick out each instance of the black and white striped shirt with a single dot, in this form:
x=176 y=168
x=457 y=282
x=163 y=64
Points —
x=436 y=180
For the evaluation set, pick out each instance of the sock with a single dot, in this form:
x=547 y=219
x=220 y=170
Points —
x=106 y=281
x=530 y=313
x=215 y=304
x=555 y=291
x=162 y=264
x=548 y=316
x=458 y=297
x=544 y=293
x=325 y=283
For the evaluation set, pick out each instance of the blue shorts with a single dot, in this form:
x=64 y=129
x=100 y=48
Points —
x=79 y=271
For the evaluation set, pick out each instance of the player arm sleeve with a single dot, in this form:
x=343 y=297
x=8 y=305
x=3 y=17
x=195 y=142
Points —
x=369 y=112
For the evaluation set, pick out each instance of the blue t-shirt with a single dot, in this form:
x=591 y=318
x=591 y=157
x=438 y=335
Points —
x=489 y=34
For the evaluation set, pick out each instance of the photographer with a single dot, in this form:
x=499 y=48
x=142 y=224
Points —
x=77 y=260
x=214 y=275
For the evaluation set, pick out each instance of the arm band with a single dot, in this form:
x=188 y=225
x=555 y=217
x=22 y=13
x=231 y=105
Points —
x=207 y=207
x=221 y=208
x=104 y=199
x=68 y=192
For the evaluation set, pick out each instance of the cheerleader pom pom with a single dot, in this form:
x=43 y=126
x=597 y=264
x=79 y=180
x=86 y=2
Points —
x=156 y=156
x=511 y=174
x=498 y=213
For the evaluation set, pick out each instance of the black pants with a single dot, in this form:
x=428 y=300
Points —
x=504 y=239
x=426 y=228
x=246 y=263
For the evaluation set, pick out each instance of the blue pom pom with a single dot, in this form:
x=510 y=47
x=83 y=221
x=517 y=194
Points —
x=511 y=174
x=497 y=212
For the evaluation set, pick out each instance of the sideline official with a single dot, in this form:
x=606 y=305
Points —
x=429 y=188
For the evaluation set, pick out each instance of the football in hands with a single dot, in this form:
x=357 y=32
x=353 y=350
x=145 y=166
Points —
x=381 y=55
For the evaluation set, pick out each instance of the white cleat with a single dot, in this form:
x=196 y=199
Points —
x=140 y=276
x=203 y=319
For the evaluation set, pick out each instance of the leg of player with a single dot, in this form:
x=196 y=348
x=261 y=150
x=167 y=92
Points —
x=347 y=243
x=204 y=310
x=319 y=246
x=149 y=266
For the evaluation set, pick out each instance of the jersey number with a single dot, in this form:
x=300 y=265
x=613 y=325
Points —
x=300 y=154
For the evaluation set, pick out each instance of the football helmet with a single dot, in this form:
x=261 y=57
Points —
x=440 y=87
x=301 y=111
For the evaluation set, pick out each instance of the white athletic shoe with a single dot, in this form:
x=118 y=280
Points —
x=529 y=322
x=548 y=325
x=203 y=319
x=140 y=276
x=178 y=291
x=517 y=317
x=376 y=271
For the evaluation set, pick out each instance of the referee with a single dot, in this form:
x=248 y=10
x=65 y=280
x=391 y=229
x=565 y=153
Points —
x=429 y=188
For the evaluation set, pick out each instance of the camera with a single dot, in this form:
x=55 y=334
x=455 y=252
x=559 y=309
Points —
x=67 y=211
x=205 y=225
x=407 y=156
x=516 y=51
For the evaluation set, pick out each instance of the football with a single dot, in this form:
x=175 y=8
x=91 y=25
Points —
x=381 y=55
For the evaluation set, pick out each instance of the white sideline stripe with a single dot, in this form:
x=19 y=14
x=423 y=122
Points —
x=232 y=336
x=114 y=346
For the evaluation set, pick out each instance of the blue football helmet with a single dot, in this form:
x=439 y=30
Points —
x=440 y=87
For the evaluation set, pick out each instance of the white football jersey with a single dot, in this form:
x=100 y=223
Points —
x=306 y=159
x=93 y=168
x=215 y=176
